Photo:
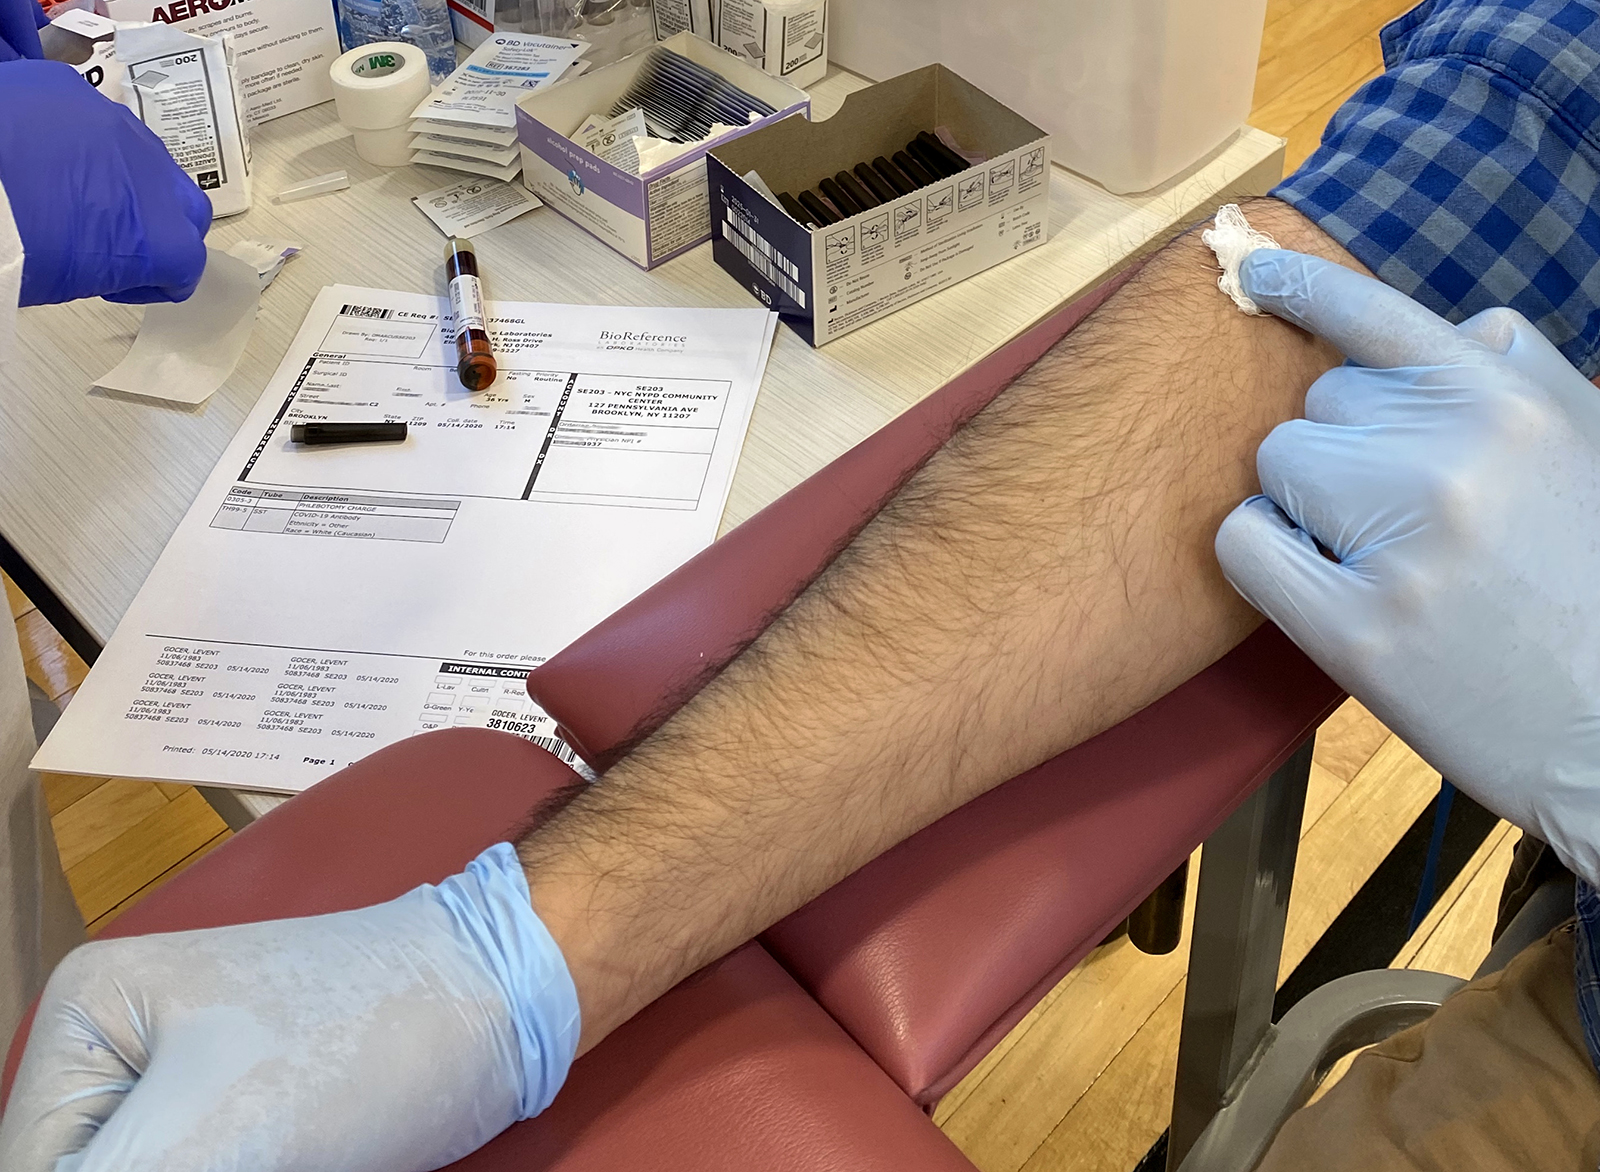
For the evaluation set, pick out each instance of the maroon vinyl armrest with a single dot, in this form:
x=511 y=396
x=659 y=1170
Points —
x=735 y=1069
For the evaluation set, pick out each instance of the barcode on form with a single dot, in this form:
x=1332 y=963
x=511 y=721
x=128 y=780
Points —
x=764 y=258
x=365 y=311
x=557 y=746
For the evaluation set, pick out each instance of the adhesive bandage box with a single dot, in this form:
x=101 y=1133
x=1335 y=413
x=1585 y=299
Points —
x=981 y=197
x=283 y=47
x=662 y=210
x=185 y=89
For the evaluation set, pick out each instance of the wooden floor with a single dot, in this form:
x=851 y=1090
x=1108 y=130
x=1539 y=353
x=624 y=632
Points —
x=118 y=839
x=1085 y=1081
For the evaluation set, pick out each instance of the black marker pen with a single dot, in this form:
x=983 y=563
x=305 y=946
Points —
x=346 y=433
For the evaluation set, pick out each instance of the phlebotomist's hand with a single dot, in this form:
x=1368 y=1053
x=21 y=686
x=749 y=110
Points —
x=393 y=1038
x=101 y=208
x=20 y=22
x=1453 y=475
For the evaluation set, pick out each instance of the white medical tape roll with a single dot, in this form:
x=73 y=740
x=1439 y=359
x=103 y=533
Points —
x=375 y=89
x=386 y=148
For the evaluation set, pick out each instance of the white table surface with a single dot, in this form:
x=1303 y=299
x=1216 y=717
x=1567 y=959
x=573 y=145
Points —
x=92 y=485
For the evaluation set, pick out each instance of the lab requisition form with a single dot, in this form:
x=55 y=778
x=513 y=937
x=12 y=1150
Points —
x=318 y=603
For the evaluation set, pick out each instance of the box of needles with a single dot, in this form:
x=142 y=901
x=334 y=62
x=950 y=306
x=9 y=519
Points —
x=622 y=151
x=916 y=183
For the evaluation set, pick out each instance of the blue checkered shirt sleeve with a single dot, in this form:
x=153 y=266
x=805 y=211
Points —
x=1466 y=175
x=1588 y=967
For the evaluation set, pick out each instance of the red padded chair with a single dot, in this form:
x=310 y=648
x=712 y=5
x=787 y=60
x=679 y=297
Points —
x=925 y=956
x=736 y=1068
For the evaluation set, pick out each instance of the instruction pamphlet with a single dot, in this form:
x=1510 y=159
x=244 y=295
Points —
x=316 y=604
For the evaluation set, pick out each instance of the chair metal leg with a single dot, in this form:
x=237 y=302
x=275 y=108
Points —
x=228 y=807
x=1156 y=925
x=1343 y=1015
x=1241 y=905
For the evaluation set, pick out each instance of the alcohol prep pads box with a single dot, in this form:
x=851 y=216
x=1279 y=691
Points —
x=825 y=282
x=662 y=211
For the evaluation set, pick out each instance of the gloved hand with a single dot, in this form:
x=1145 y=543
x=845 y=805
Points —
x=394 y=1038
x=101 y=207
x=1455 y=476
x=20 y=22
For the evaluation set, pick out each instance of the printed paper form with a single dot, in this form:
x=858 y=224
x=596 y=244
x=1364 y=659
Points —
x=316 y=604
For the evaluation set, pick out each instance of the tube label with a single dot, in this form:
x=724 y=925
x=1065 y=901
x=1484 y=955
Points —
x=466 y=302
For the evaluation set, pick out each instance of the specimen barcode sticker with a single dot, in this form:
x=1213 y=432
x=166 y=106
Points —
x=557 y=746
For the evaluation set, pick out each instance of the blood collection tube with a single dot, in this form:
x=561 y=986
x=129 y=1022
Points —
x=817 y=208
x=891 y=175
x=874 y=183
x=913 y=169
x=799 y=214
x=938 y=146
x=475 y=365
x=930 y=158
x=847 y=183
x=841 y=199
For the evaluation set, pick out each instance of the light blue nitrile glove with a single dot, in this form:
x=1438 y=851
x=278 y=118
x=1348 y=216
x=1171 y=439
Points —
x=101 y=208
x=1454 y=474
x=394 y=1038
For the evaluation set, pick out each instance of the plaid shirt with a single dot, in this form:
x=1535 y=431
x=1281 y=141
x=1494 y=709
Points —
x=1466 y=176
x=1588 y=966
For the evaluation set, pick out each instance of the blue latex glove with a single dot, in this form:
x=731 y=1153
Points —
x=100 y=206
x=20 y=22
x=395 y=1038
x=1455 y=476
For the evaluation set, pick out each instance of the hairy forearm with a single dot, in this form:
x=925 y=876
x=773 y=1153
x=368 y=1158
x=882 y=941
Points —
x=1045 y=575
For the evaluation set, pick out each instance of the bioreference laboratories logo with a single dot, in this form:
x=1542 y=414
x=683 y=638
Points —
x=642 y=340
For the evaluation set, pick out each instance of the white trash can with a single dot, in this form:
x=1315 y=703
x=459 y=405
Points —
x=1131 y=91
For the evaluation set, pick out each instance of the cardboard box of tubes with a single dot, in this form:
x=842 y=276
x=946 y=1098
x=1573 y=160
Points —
x=916 y=183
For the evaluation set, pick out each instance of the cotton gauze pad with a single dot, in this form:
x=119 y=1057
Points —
x=1232 y=238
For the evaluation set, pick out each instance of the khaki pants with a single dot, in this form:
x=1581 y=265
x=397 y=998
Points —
x=39 y=921
x=1498 y=1079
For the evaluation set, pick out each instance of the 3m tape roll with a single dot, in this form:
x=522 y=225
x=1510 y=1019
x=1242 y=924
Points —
x=386 y=148
x=375 y=88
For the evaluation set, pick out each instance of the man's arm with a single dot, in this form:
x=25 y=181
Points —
x=1045 y=575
